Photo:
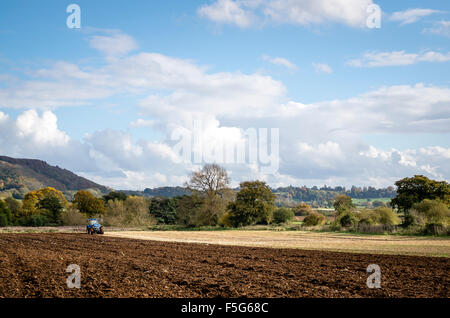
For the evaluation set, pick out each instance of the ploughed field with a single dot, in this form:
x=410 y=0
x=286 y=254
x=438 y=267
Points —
x=34 y=265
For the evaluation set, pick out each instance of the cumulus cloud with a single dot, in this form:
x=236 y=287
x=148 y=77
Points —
x=244 y=13
x=411 y=15
x=398 y=58
x=319 y=142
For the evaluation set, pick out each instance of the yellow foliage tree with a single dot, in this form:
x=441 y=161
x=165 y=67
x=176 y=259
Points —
x=31 y=199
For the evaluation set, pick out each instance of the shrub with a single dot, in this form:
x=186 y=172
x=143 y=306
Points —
x=314 y=218
x=434 y=211
x=380 y=215
x=71 y=216
x=302 y=209
x=347 y=219
x=436 y=229
x=133 y=211
x=37 y=220
x=375 y=228
x=282 y=215
x=3 y=220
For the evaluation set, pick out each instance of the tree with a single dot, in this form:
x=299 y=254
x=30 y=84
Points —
x=342 y=203
x=433 y=211
x=5 y=214
x=379 y=215
x=15 y=206
x=282 y=215
x=211 y=182
x=114 y=195
x=188 y=209
x=164 y=209
x=47 y=203
x=314 y=218
x=302 y=209
x=87 y=204
x=418 y=188
x=254 y=204
x=52 y=207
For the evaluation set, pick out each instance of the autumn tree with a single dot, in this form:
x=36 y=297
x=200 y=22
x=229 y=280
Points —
x=302 y=209
x=87 y=204
x=342 y=203
x=211 y=183
x=46 y=203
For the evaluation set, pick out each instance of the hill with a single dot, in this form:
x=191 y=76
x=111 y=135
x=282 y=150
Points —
x=19 y=176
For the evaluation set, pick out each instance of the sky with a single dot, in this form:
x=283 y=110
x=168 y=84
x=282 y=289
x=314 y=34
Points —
x=141 y=93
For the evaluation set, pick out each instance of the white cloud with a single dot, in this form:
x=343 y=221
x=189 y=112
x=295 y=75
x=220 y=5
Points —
x=117 y=44
x=244 y=13
x=42 y=130
x=411 y=15
x=441 y=28
x=143 y=123
x=398 y=58
x=280 y=61
x=322 y=68
x=228 y=12
x=319 y=142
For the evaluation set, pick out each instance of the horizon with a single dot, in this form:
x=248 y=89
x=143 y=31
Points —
x=139 y=94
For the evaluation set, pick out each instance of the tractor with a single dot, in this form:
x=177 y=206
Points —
x=94 y=227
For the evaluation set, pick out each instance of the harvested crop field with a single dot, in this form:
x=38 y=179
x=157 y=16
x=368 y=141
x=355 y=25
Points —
x=338 y=242
x=34 y=265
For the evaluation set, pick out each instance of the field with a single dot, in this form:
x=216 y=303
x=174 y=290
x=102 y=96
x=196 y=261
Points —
x=373 y=244
x=34 y=265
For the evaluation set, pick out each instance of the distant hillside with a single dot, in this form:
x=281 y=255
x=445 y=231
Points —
x=159 y=192
x=19 y=176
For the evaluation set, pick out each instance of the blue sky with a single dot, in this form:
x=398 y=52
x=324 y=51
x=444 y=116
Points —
x=354 y=105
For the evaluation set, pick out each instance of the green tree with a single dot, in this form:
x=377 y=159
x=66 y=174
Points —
x=433 y=211
x=379 y=215
x=114 y=195
x=164 y=210
x=15 y=206
x=254 y=204
x=188 y=209
x=87 y=204
x=282 y=215
x=52 y=207
x=5 y=214
x=416 y=189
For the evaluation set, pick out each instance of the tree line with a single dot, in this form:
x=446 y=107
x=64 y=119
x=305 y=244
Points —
x=419 y=203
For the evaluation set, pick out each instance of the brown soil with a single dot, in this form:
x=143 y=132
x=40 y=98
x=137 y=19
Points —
x=34 y=265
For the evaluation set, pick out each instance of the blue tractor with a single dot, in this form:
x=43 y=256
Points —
x=94 y=227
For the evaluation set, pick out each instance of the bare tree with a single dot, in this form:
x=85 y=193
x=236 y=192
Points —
x=212 y=183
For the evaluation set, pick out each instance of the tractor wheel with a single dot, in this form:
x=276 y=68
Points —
x=101 y=230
